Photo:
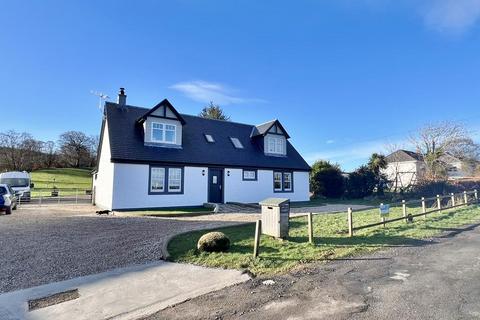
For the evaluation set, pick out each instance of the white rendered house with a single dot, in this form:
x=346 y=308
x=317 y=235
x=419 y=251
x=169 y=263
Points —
x=152 y=158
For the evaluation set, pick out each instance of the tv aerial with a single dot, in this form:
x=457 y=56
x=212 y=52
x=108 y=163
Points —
x=101 y=97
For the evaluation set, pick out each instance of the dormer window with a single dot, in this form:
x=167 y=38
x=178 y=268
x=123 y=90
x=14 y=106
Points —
x=209 y=138
x=275 y=144
x=164 y=133
x=236 y=143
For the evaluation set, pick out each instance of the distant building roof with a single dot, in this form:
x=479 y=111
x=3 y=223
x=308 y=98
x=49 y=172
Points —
x=404 y=155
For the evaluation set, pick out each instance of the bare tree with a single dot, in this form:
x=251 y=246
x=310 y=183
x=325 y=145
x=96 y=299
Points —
x=49 y=154
x=94 y=149
x=31 y=154
x=18 y=151
x=75 y=148
x=437 y=140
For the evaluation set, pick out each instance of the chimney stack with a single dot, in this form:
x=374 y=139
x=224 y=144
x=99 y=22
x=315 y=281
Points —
x=122 y=97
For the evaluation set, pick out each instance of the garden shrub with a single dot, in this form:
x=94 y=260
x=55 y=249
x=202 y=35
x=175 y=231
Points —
x=326 y=180
x=361 y=183
x=213 y=242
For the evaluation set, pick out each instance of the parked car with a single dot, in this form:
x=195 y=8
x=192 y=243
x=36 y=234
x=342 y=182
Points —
x=8 y=199
x=20 y=182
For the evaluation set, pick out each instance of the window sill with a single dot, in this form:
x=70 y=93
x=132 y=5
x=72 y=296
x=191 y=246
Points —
x=163 y=145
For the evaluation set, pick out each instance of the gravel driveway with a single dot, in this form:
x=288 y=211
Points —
x=43 y=244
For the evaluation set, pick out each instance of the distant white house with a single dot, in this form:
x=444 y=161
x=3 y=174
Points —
x=405 y=168
x=157 y=157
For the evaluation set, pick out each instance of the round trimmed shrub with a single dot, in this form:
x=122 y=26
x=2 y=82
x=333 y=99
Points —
x=213 y=242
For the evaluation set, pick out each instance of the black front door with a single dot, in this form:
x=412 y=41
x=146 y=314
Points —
x=215 y=185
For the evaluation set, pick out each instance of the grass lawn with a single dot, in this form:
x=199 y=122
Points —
x=317 y=202
x=331 y=239
x=170 y=212
x=65 y=178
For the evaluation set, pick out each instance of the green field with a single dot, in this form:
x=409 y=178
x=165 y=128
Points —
x=67 y=180
x=331 y=239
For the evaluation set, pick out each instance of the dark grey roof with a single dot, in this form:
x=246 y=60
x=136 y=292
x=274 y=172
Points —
x=127 y=143
x=262 y=129
x=404 y=155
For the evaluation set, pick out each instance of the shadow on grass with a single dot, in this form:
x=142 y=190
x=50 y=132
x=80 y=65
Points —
x=377 y=240
x=357 y=259
x=452 y=232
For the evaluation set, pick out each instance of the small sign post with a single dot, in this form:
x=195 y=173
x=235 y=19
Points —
x=384 y=211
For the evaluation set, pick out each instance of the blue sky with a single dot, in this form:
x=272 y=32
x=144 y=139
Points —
x=346 y=78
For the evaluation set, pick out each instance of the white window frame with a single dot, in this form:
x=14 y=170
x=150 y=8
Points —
x=152 y=176
x=276 y=144
x=290 y=180
x=247 y=175
x=177 y=180
x=275 y=173
x=168 y=180
x=282 y=175
x=164 y=132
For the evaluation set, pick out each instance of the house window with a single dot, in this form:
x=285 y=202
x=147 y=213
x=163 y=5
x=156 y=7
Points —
x=166 y=133
x=209 y=138
x=170 y=133
x=164 y=180
x=174 y=179
x=287 y=181
x=282 y=181
x=275 y=144
x=157 y=179
x=249 y=174
x=237 y=144
x=277 y=181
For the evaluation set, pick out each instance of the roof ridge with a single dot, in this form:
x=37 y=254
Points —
x=273 y=120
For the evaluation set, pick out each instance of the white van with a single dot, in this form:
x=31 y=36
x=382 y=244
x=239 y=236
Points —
x=20 y=183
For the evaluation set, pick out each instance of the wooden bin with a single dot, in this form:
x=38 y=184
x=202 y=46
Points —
x=275 y=216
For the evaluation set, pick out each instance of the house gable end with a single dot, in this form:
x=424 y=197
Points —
x=164 y=109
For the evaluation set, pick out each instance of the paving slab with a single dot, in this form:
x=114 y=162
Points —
x=124 y=293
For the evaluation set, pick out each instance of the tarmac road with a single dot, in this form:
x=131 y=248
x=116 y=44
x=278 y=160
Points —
x=434 y=279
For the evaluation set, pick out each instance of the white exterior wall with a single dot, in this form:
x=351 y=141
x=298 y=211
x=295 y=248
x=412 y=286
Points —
x=238 y=190
x=104 y=181
x=404 y=173
x=131 y=188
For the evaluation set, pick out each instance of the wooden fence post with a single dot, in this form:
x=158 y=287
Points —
x=350 y=222
x=404 y=209
x=258 y=230
x=475 y=192
x=439 y=202
x=383 y=218
x=310 y=228
x=424 y=207
x=465 y=197
x=453 y=199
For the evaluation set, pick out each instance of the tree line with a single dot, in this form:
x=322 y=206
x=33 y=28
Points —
x=21 y=151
